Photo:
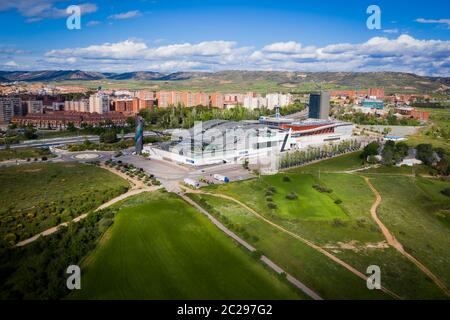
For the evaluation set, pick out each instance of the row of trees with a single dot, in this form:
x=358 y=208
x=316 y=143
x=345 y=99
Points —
x=372 y=119
x=301 y=157
x=179 y=116
x=392 y=153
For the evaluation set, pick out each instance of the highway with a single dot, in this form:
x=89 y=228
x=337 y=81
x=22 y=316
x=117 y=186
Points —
x=66 y=140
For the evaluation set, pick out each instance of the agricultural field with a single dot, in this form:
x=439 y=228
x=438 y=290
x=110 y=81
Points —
x=24 y=153
x=40 y=196
x=332 y=209
x=159 y=247
x=262 y=86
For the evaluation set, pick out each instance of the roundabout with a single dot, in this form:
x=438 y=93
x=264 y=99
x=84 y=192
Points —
x=86 y=156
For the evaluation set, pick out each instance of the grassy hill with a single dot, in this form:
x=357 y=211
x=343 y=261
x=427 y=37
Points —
x=239 y=80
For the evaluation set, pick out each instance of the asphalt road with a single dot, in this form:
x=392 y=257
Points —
x=65 y=140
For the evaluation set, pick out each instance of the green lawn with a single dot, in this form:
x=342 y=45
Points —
x=39 y=196
x=314 y=215
x=326 y=277
x=24 y=153
x=344 y=162
x=159 y=247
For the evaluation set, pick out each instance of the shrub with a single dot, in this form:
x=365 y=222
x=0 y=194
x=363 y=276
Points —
x=272 y=189
x=257 y=254
x=269 y=194
x=338 y=223
x=361 y=222
x=10 y=238
x=292 y=196
x=269 y=199
x=338 y=201
x=272 y=205
x=105 y=223
x=446 y=192
x=286 y=179
x=322 y=188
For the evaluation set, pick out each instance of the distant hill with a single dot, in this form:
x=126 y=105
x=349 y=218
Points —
x=391 y=81
x=139 y=75
x=50 y=75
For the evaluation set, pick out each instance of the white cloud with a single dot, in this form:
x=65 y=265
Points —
x=169 y=66
x=290 y=46
x=390 y=30
x=92 y=23
x=403 y=53
x=11 y=63
x=438 y=21
x=125 y=15
x=35 y=10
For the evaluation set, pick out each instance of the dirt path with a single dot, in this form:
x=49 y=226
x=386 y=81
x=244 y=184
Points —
x=296 y=236
x=137 y=187
x=392 y=241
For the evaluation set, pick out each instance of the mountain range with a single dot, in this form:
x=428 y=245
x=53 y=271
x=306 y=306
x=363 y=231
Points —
x=387 y=80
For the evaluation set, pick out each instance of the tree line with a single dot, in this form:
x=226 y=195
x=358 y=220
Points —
x=301 y=157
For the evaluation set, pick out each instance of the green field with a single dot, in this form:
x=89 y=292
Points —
x=344 y=162
x=413 y=208
x=437 y=132
x=205 y=85
x=39 y=196
x=318 y=272
x=24 y=153
x=415 y=219
x=161 y=248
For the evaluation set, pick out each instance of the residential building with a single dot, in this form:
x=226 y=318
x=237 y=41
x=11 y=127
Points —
x=32 y=106
x=217 y=100
x=61 y=119
x=77 y=105
x=412 y=113
x=377 y=93
x=99 y=103
x=278 y=99
x=10 y=106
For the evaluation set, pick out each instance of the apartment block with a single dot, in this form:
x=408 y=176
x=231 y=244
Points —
x=77 y=105
x=99 y=103
x=32 y=106
x=9 y=106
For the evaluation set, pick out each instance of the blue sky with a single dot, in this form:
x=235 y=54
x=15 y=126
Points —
x=169 y=35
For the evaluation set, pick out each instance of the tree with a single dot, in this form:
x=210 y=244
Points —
x=425 y=153
x=370 y=150
x=30 y=132
x=71 y=127
x=109 y=136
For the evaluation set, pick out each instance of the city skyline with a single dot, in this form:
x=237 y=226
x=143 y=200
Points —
x=168 y=36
